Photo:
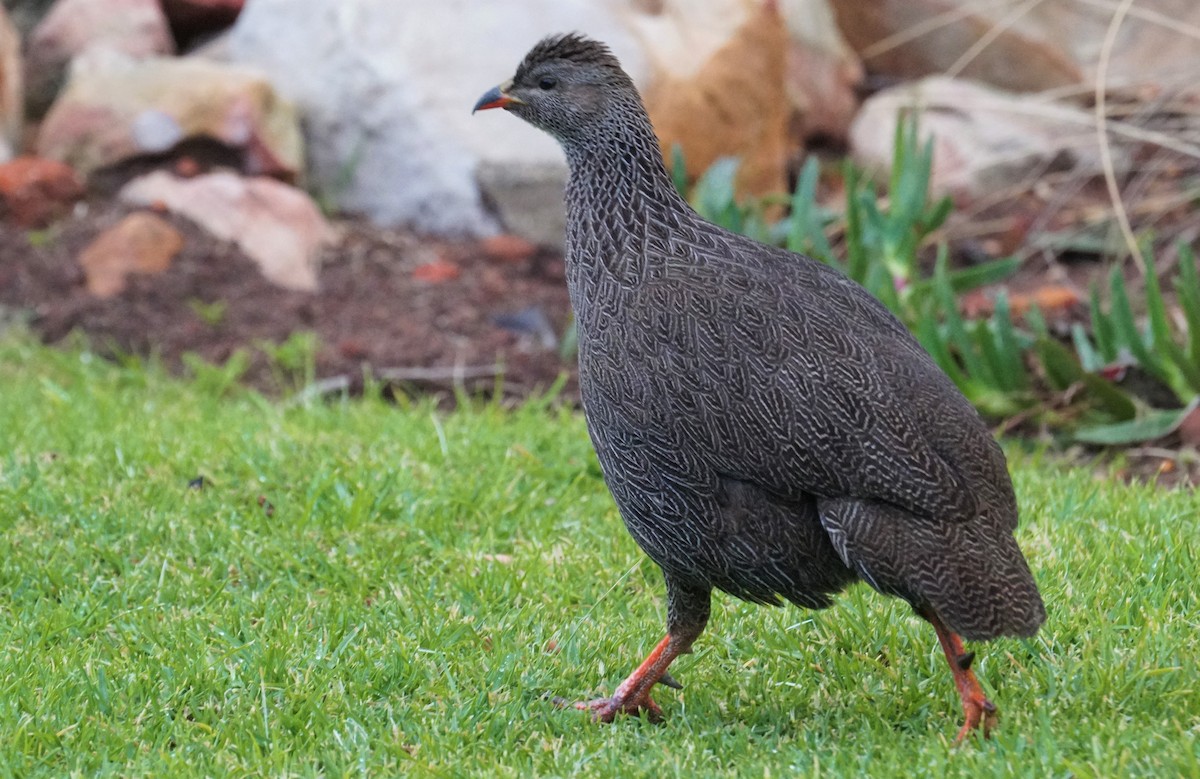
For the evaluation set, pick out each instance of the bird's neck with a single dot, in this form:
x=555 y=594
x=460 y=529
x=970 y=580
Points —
x=621 y=203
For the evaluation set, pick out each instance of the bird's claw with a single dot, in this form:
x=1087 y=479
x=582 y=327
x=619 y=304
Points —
x=981 y=714
x=607 y=709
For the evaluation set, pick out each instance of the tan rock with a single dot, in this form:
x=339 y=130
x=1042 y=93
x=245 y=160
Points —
x=276 y=225
x=746 y=78
x=115 y=108
x=12 y=107
x=35 y=191
x=1025 y=47
x=141 y=243
x=136 y=28
x=734 y=102
x=984 y=139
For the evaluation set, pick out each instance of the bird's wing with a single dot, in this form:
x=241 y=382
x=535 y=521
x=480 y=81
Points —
x=803 y=383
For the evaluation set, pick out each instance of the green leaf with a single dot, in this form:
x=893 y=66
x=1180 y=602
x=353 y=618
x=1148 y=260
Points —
x=1037 y=322
x=715 y=195
x=1010 y=364
x=1091 y=359
x=1062 y=369
x=1127 y=332
x=806 y=229
x=1187 y=289
x=967 y=279
x=856 y=249
x=1109 y=397
x=1102 y=327
x=679 y=175
x=1149 y=427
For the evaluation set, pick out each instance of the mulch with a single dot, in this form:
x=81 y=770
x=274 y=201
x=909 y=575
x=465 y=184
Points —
x=476 y=323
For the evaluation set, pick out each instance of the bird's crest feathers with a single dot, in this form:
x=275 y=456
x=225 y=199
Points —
x=572 y=47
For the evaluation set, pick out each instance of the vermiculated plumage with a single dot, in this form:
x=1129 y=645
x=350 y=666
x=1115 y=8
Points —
x=765 y=425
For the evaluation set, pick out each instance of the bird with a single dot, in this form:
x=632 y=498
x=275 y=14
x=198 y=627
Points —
x=766 y=427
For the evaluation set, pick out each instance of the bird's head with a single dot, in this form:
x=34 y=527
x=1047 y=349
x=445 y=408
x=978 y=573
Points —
x=567 y=85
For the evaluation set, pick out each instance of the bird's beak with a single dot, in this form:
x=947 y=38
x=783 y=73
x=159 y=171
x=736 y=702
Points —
x=497 y=97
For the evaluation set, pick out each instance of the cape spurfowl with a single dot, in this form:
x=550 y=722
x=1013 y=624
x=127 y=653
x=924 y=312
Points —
x=765 y=425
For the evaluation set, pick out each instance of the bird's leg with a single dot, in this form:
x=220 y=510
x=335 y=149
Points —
x=687 y=614
x=980 y=713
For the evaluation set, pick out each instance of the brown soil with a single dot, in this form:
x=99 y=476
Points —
x=371 y=317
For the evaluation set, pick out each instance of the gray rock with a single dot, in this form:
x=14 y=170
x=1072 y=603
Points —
x=386 y=90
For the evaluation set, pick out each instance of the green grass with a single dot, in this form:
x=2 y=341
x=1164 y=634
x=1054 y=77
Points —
x=418 y=583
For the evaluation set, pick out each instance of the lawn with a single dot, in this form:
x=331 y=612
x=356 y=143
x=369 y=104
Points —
x=371 y=589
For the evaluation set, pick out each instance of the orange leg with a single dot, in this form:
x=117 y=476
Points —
x=632 y=696
x=980 y=713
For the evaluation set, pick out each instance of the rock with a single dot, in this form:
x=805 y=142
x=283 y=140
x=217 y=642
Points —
x=746 y=78
x=984 y=139
x=140 y=243
x=387 y=103
x=12 y=109
x=724 y=100
x=35 y=191
x=528 y=199
x=192 y=18
x=136 y=28
x=1039 y=46
x=116 y=108
x=389 y=138
x=823 y=72
x=276 y=225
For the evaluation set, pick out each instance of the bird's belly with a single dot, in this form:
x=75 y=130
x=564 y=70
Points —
x=712 y=529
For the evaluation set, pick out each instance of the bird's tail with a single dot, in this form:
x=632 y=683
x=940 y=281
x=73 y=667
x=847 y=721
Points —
x=972 y=574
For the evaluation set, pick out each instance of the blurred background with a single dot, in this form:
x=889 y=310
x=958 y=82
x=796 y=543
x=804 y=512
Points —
x=296 y=190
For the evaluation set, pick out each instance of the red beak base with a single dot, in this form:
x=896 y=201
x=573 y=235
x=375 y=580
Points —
x=493 y=98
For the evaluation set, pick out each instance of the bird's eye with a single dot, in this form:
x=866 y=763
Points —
x=548 y=82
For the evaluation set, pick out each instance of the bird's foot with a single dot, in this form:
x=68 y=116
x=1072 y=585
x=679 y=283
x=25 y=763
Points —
x=981 y=714
x=607 y=709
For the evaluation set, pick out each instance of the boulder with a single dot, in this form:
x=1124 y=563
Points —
x=1030 y=48
x=984 y=139
x=276 y=225
x=136 y=28
x=387 y=102
x=745 y=78
x=387 y=98
x=717 y=91
x=12 y=109
x=116 y=108
x=141 y=243
x=36 y=191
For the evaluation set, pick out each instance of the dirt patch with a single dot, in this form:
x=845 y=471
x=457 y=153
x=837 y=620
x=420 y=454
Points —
x=376 y=314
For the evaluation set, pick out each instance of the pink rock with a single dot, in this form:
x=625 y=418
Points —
x=276 y=225
x=137 y=28
x=140 y=243
x=115 y=109
x=34 y=191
